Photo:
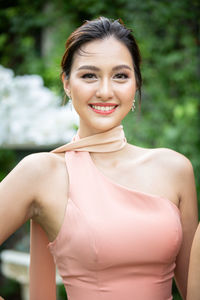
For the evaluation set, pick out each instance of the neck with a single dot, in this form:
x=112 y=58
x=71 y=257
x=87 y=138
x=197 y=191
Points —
x=85 y=131
x=107 y=141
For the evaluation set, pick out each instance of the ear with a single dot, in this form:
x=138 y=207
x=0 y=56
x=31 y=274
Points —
x=66 y=85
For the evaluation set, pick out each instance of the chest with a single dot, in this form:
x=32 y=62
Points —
x=108 y=225
x=141 y=177
x=144 y=175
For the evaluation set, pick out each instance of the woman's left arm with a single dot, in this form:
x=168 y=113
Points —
x=189 y=217
x=193 y=291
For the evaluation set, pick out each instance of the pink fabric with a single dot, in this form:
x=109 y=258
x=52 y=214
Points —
x=115 y=243
x=42 y=268
x=107 y=141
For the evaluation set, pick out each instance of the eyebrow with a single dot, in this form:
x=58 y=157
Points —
x=93 y=68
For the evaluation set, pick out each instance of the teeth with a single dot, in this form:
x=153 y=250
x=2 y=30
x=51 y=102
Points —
x=103 y=108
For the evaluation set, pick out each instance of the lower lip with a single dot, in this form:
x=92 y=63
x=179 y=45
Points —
x=105 y=112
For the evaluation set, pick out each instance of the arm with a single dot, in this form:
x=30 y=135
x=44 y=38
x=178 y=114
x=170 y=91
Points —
x=189 y=218
x=193 y=291
x=17 y=198
x=18 y=202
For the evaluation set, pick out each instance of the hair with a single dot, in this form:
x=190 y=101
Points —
x=99 y=29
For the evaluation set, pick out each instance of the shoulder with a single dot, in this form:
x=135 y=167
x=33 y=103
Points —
x=179 y=169
x=177 y=173
x=42 y=174
x=163 y=157
x=173 y=160
x=169 y=163
x=42 y=159
x=40 y=164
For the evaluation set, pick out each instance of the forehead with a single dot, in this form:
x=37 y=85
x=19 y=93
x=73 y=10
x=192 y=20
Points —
x=108 y=51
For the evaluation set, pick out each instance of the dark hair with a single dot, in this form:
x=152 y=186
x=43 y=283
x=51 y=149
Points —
x=101 y=28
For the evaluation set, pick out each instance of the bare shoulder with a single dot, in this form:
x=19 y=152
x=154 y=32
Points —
x=180 y=170
x=34 y=170
x=172 y=159
x=46 y=158
x=164 y=158
x=45 y=175
x=175 y=171
x=39 y=164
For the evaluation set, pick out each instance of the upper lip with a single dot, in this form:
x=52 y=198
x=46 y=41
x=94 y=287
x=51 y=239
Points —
x=103 y=104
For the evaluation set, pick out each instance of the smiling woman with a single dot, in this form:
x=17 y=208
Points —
x=116 y=219
x=101 y=83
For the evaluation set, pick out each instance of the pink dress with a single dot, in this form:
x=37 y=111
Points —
x=115 y=243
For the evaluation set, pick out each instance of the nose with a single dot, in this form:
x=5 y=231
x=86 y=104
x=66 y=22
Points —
x=105 y=89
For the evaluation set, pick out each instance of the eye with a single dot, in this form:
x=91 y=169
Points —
x=89 y=76
x=121 y=76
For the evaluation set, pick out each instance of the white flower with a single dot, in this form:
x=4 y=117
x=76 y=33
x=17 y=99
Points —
x=31 y=113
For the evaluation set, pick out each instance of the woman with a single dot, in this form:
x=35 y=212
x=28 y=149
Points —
x=194 y=269
x=120 y=219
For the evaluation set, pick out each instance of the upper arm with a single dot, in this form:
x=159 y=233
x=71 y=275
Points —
x=20 y=197
x=18 y=193
x=194 y=269
x=185 y=183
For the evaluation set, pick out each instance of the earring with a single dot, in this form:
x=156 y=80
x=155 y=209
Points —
x=133 y=105
x=70 y=103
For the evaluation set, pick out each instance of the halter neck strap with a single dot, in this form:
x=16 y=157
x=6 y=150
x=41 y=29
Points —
x=108 y=141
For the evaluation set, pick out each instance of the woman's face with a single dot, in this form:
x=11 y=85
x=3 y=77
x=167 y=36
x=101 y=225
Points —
x=101 y=85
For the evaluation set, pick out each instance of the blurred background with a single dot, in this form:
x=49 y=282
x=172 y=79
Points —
x=32 y=117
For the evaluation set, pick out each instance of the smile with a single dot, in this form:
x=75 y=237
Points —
x=103 y=108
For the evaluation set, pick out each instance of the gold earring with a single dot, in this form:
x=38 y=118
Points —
x=133 y=106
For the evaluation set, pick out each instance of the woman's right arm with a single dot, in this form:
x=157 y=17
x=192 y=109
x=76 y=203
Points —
x=19 y=192
x=193 y=290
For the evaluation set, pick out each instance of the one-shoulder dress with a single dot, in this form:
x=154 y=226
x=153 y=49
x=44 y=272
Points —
x=115 y=243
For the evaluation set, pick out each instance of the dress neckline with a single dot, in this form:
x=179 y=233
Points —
x=127 y=189
x=107 y=141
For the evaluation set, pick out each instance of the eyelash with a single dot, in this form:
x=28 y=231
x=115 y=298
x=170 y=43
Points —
x=92 y=75
x=88 y=76
x=125 y=76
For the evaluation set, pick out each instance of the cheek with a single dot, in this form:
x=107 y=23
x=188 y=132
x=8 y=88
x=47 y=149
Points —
x=80 y=90
x=126 y=92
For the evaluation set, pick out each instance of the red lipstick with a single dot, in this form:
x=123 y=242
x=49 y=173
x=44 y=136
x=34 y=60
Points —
x=103 y=112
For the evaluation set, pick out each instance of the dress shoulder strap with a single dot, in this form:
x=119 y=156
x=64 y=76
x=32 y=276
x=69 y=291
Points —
x=108 y=141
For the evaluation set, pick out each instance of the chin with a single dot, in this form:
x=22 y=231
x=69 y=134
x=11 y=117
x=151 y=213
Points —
x=104 y=126
x=93 y=126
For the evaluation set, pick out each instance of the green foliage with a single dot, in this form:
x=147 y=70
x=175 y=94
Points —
x=169 y=42
x=61 y=292
x=32 y=40
x=10 y=289
x=7 y=162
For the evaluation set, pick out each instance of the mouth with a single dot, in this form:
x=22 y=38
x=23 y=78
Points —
x=103 y=108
